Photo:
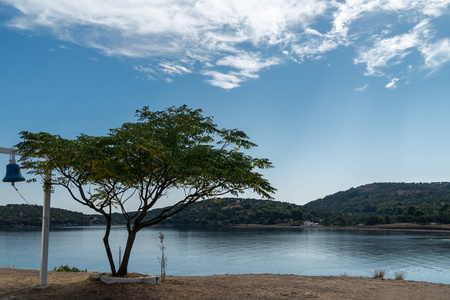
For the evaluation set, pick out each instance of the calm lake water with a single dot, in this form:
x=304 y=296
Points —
x=421 y=256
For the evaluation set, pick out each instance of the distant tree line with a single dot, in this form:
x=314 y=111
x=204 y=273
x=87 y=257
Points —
x=232 y=211
x=213 y=212
x=373 y=204
x=23 y=215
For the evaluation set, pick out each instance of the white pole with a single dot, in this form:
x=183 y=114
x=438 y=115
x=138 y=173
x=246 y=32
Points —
x=45 y=227
x=45 y=218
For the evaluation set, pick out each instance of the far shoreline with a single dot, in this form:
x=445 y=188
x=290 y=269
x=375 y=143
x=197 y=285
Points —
x=406 y=227
x=409 y=227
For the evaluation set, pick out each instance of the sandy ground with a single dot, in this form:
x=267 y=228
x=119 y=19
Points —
x=23 y=284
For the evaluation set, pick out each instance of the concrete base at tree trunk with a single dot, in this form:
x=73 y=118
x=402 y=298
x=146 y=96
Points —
x=108 y=279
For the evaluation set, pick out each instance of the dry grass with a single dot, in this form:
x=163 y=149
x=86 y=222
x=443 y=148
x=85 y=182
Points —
x=399 y=275
x=379 y=274
x=18 y=284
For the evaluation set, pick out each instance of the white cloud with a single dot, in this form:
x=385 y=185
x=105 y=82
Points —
x=348 y=12
x=250 y=62
x=143 y=69
x=435 y=8
x=362 y=88
x=149 y=72
x=225 y=81
x=246 y=37
x=392 y=84
x=436 y=54
x=388 y=49
x=249 y=65
x=315 y=47
x=171 y=68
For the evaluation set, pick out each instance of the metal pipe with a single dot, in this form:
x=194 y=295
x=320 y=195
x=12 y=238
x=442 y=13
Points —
x=8 y=150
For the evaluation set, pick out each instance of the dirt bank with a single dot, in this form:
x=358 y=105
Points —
x=21 y=284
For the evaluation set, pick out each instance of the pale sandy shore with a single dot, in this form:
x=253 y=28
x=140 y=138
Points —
x=22 y=284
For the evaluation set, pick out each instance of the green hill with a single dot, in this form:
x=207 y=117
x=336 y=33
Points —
x=380 y=203
x=371 y=204
x=23 y=215
x=236 y=211
x=221 y=212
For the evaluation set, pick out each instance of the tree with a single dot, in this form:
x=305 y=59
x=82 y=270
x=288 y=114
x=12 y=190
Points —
x=177 y=148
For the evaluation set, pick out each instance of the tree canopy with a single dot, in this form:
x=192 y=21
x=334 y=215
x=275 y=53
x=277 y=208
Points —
x=177 y=148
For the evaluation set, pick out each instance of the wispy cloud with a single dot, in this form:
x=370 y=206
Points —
x=392 y=84
x=147 y=70
x=171 y=68
x=232 y=41
x=436 y=54
x=225 y=81
x=386 y=51
x=248 y=62
x=143 y=69
x=362 y=88
x=242 y=67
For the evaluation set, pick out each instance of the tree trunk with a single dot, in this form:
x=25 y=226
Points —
x=123 y=268
x=107 y=247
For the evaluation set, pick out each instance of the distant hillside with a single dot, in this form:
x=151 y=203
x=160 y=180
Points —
x=235 y=211
x=395 y=202
x=23 y=215
x=221 y=212
x=377 y=203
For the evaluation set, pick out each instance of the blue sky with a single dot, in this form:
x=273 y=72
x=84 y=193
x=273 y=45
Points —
x=336 y=94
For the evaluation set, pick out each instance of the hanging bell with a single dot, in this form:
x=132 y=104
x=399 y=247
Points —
x=13 y=173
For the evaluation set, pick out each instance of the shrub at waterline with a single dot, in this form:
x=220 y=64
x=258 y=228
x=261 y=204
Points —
x=399 y=275
x=379 y=274
x=66 y=268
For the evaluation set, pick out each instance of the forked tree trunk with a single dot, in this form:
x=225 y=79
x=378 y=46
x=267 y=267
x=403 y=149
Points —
x=108 y=248
x=123 y=268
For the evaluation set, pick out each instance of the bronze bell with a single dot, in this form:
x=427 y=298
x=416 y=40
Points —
x=13 y=173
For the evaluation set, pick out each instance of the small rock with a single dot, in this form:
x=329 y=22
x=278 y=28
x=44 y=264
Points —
x=95 y=276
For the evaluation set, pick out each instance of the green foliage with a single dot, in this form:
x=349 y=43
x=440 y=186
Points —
x=177 y=148
x=387 y=219
x=174 y=148
x=66 y=268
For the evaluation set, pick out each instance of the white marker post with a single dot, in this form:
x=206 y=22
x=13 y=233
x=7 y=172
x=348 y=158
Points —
x=45 y=219
x=45 y=227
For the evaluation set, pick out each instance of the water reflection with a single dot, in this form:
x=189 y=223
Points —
x=422 y=256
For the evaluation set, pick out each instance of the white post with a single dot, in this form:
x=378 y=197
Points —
x=45 y=218
x=45 y=227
